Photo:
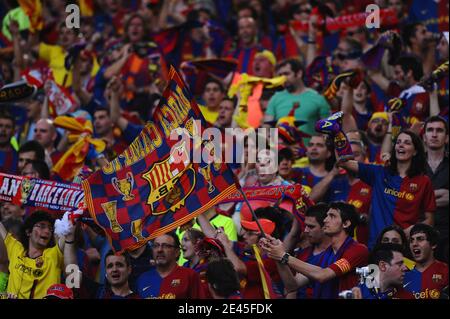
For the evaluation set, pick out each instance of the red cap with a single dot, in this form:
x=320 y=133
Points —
x=268 y=226
x=59 y=291
x=246 y=214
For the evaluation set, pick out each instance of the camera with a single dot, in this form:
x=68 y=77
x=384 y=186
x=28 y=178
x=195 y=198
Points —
x=346 y=294
x=363 y=271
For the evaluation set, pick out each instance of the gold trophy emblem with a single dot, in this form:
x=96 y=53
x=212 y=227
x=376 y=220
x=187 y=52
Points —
x=193 y=131
x=124 y=186
x=26 y=187
x=136 y=229
x=110 y=209
x=206 y=172
x=210 y=148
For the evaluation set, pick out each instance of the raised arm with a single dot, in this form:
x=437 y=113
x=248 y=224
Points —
x=350 y=165
x=275 y=250
x=386 y=146
x=113 y=93
x=18 y=62
x=348 y=122
x=80 y=92
x=206 y=226
x=320 y=189
x=114 y=68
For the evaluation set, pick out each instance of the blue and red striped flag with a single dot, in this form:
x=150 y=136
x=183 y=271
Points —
x=153 y=186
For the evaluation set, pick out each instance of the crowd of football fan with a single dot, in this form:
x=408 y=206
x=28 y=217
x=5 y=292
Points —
x=387 y=208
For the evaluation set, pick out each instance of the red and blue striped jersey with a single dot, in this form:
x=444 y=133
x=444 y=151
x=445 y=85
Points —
x=8 y=161
x=429 y=283
x=245 y=56
x=343 y=262
x=395 y=200
x=307 y=255
x=181 y=283
x=359 y=196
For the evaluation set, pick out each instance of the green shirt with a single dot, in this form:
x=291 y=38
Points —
x=16 y=14
x=313 y=107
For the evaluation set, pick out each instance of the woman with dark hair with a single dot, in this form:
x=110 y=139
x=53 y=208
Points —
x=35 y=251
x=393 y=234
x=401 y=193
x=190 y=238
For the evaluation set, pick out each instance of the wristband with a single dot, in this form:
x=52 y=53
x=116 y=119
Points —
x=284 y=260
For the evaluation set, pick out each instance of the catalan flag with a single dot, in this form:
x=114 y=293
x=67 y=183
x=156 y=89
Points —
x=154 y=186
x=86 y=8
x=33 y=9
x=80 y=136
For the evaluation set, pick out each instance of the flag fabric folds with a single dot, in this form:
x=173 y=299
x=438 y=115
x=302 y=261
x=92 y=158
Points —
x=153 y=186
x=81 y=132
x=33 y=9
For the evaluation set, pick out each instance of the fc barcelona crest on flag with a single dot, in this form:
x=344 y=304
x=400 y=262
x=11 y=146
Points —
x=157 y=184
x=166 y=191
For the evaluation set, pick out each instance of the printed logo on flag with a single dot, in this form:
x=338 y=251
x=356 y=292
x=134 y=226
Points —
x=124 y=186
x=166 y=193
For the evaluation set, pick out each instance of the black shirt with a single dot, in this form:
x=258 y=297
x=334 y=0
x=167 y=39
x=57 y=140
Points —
x=439 y=179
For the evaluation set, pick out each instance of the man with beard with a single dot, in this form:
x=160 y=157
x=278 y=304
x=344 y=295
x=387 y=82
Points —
x=167 y=280
x=313 y=106
x=429 y=276
x=389 y=259
x=8 y=155
x=377 y=128
x=212 y=97
x=437 y=169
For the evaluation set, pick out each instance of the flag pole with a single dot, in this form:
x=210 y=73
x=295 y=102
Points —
x=253 y=212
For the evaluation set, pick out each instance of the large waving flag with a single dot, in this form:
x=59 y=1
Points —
x=153 y=187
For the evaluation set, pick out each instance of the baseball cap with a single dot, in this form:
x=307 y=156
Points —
x=59 y=291
x=268 y=226
x=268 y=55
x=379 y=115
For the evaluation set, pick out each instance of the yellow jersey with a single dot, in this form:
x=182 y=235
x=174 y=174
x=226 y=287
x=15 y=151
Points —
x=55 y=55
x=28 y=277
x=210 y=116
